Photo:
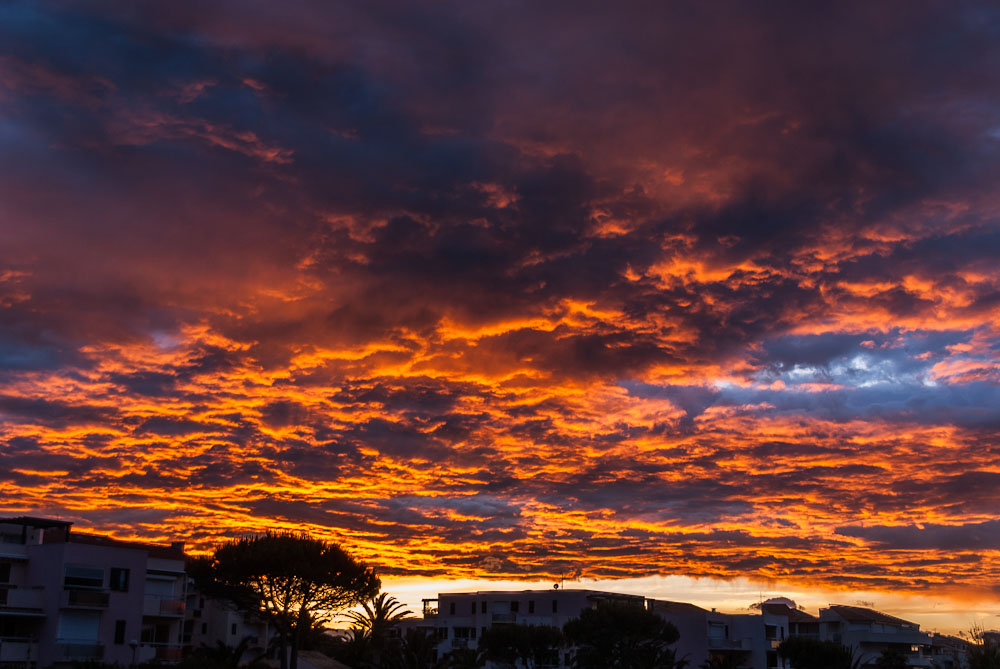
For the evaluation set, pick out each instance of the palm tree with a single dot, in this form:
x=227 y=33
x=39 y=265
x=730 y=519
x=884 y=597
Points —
x=380 y=613
x=375 y=619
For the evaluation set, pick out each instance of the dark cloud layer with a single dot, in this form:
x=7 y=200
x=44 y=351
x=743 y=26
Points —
x=511 y=290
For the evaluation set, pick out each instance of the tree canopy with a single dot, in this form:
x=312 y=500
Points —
x=293 y=580
x=533 y=645
x=616 y=634
x=807 y=653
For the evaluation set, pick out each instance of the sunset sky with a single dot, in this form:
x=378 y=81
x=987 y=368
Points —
x=514 y=290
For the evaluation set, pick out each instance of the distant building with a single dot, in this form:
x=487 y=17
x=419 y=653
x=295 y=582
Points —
x=210 y=621
x=67 y=596
x=749 y=640
x=459 y=619
x=871 y=632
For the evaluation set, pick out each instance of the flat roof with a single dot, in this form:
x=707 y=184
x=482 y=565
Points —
x=34 y=521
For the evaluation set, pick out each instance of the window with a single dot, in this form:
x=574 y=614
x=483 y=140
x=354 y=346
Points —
x=473 y=611
x=483 y=607
x=4 y=572
x=119 y=632
x=451 y=608
x=204 y=628
x=514 y=606
x=555 y=606
x=119 y=579
x=232 y=629
x=84 y=577
x=770 y=631
x=79 y=625
x=531 y=606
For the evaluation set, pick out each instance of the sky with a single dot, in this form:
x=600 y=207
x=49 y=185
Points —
x=514 y=291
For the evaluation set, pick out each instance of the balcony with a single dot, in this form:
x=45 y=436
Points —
x=169 y=653
x=13 y=597
x=17 y=650
x=72 y=649
x=725 y=644
x=163 y=608
x=84 y=599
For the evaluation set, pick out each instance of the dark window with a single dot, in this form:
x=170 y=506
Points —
x=201 y=602
x=531 y=606
x=770 y=631
x=555 y=606
x=4 y=572
x=483 y=609
x=119 y=579
x=84 y=577
x=451 y=608
x=472 y=632
x=473 y=611
x=233 y=629
x=204 y=628
x=484 y=630
x=119 y=632
x=514 y=606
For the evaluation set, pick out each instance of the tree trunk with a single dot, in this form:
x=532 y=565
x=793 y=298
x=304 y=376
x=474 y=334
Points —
x=294 y=663
x=283 y=649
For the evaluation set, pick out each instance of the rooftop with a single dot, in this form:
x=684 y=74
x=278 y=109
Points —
x=859 y=614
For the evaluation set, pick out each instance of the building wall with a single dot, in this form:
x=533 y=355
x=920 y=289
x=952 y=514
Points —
x=83 y=613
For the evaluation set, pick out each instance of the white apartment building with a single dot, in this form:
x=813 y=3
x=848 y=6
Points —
x=751 y=640
x=460 y=618
x=870 y=632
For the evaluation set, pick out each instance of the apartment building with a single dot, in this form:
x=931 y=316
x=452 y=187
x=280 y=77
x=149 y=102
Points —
x=747 y=640
x=459 y=619
x=67 y=596
x=870 y=632
x=210 y=621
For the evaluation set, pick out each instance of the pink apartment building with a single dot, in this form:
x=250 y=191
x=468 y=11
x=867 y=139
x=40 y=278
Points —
x=68 y=596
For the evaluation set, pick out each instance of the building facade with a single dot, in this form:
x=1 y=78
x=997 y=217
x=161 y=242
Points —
x=67 y=596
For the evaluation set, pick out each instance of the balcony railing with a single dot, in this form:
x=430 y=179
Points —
x=725 y=644
x=89 y=599
x=13 y=597
x=18 y=650
x=69 y=649
x=169 y=653
x=155 y=606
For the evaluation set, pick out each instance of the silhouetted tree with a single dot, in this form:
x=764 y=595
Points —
x=294 y=581
x=892 y=658
x=723 y=662
x=418 y=650
x=807 y=653
x=616 y=634
x=376 y=618
x=533 y=645
x=464 y=658
x=983 y=653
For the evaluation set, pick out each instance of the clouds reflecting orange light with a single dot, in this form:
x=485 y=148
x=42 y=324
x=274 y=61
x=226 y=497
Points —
x=483 y=304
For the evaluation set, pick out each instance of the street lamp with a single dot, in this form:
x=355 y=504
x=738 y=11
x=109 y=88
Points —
x=133 y=644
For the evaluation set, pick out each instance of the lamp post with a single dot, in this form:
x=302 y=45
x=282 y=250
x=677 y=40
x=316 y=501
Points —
x=133 y=644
